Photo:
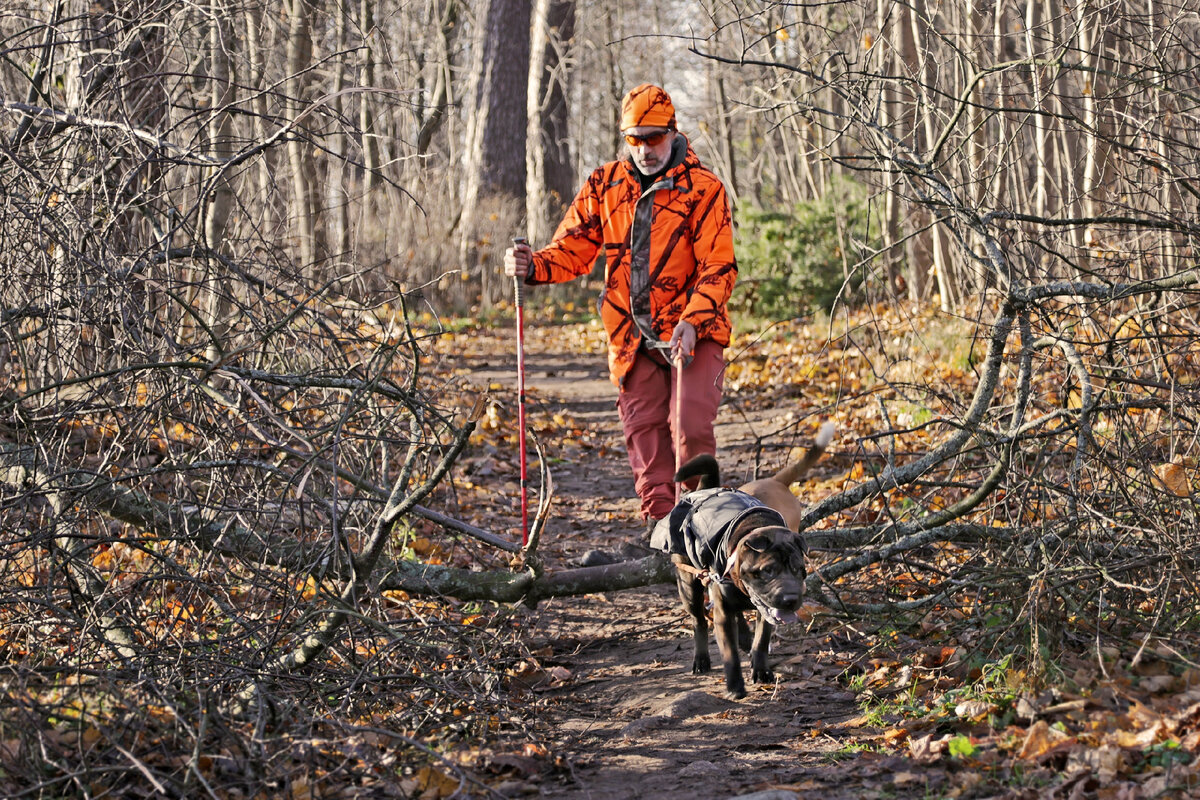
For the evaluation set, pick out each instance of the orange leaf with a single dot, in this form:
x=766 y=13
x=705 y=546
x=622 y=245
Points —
x=1174 y=478
x=433 y=784
x=1041 y=740
x=535 y=750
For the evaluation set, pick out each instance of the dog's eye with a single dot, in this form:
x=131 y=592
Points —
x=769 y=570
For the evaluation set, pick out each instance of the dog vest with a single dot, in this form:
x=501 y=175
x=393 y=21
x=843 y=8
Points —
x=702 y=521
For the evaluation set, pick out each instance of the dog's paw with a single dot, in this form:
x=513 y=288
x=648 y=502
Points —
x=762 y=675
x=701 y=664
x=735 y=692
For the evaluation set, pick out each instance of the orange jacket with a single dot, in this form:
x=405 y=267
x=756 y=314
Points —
x=682 y=255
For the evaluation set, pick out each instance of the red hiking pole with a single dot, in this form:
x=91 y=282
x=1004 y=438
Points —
x=678 y=424
x=520 y=304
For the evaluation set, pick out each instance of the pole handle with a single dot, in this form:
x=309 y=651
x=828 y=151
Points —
x=518 y=289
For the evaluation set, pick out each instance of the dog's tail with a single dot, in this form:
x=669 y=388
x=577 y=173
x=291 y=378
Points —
x=792 y=472
x=705 y=466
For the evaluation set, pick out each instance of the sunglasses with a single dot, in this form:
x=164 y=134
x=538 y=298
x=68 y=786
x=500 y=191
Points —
x=649 y=139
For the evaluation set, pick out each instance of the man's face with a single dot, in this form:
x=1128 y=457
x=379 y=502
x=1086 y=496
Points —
x=647 y=157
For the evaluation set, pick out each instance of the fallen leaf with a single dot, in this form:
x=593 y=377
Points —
x=301 y=789
x=1105 y=761
x=973 y=709
x=1041 y=740
x=433 y=784
x=1174 y=478
x=1139 y=740
x=926 y=749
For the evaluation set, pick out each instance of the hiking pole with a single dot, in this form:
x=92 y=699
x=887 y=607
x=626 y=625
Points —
x=678 y=424
x=520 y=304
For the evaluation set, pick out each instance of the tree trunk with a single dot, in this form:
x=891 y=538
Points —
x=337 y=199
x=366 y=77
x=255 y=80
x=300 y=158
x=948 y=289
x=725 y=137
x=1041 y=169
x=1089 y=75
x=217 y=202
x=442 y=95
x=920 y=249
x=884 y=54
x=496 y=130
x=551 y=175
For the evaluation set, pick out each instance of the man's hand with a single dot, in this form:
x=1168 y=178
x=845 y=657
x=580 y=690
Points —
x=517 y=260
x=683 y=343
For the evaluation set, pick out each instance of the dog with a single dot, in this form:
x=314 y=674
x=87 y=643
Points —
x=743 y=543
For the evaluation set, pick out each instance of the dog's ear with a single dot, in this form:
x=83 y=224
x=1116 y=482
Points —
x=760 y=542
x=801 y=542
x=796 y=550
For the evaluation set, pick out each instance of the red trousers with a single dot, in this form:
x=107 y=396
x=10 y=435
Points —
x=647 y=409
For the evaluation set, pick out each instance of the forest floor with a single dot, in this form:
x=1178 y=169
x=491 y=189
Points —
x=608 y=689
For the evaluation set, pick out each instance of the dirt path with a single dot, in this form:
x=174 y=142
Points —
x=632 y=721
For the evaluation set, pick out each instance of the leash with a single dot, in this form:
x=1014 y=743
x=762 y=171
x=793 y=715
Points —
x=706 y=576
x=518 y=297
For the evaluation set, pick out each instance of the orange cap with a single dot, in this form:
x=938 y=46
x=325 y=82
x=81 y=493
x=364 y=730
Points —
x=647 y=106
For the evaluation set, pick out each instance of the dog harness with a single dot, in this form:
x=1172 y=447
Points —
x=700 y=524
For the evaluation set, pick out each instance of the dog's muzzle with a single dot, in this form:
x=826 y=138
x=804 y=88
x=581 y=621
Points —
x=773 y=615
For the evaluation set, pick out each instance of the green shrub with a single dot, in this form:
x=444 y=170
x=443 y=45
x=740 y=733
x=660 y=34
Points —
x=793 y=262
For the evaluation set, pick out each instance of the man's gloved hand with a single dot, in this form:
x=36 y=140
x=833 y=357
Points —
x=683 y=344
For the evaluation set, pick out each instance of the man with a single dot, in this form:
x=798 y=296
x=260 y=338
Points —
x=660 y=222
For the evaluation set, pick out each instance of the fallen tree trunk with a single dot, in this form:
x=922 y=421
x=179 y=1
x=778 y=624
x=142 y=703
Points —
x=512 y=587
